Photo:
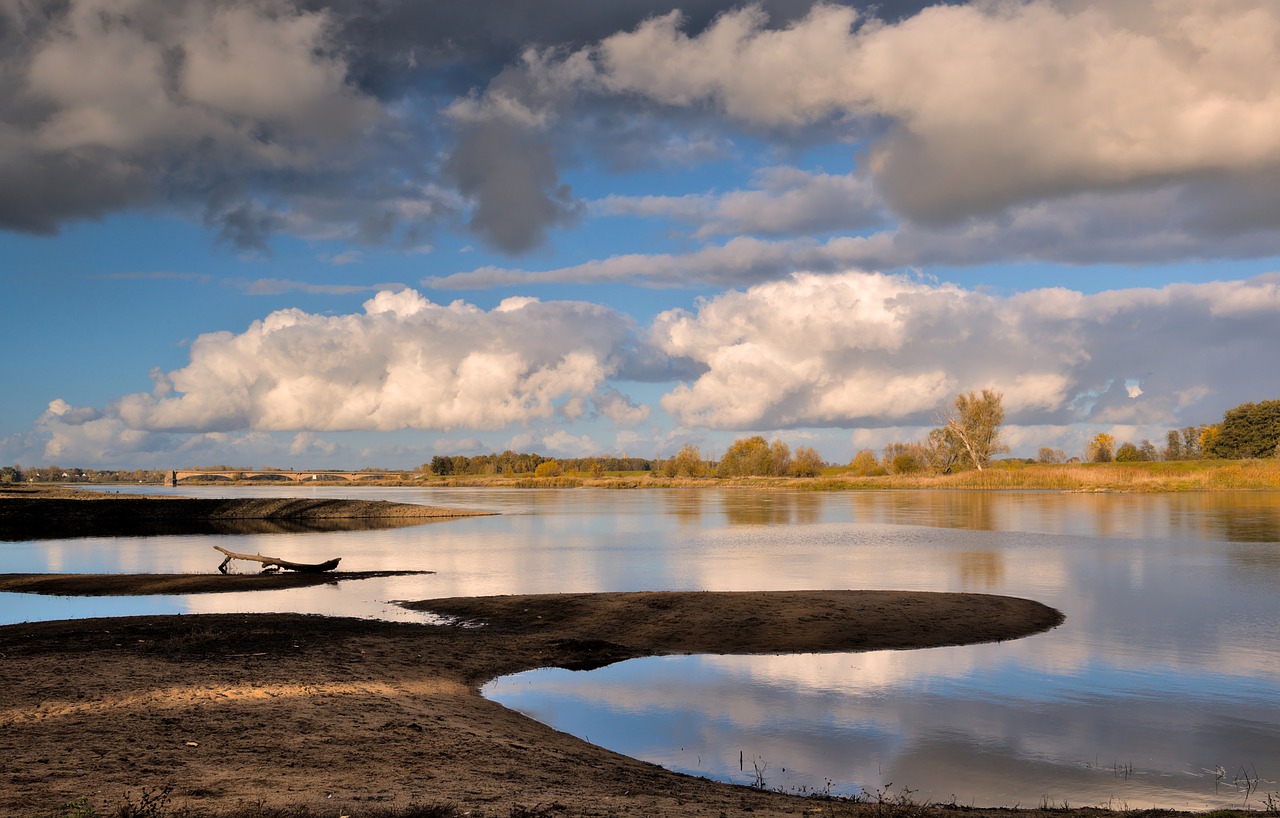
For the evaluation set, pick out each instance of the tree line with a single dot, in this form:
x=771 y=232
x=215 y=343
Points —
x=1250 y=430
x=746 y=457
x=58 y=474
x=969 y=436
x=524 y=463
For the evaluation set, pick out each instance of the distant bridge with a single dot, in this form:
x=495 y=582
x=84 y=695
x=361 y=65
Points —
x=178 y=475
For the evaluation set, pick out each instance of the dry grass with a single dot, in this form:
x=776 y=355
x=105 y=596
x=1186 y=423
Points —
x=1192 y=475
x=1214 y=475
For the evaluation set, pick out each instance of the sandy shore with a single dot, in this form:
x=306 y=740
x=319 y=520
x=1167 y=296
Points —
x=344 y=716
x=30 y=513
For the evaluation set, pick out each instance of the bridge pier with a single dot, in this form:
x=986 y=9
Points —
x=171 y=480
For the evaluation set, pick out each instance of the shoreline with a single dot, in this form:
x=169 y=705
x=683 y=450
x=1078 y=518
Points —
x=51 y=512
x=1132 y=477
x=294 y=711
x=150 y=584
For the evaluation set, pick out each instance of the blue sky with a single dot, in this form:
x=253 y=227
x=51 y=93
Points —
x=263 y=232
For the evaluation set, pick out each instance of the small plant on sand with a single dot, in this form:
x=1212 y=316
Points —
x=1271 y=804
x=884 y=804
x=823 y=794
x=153 y=803
x=80 y=808
x=757 y=778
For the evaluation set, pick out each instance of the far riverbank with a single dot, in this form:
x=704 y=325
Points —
x=1145 y=477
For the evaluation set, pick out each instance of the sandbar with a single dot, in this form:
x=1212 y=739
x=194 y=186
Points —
x=351 y=715
x=33 y=513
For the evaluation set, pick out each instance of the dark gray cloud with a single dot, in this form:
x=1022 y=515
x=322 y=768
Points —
x=245 y=224
x=204 y=107
x=318 y=118
x=39 y=192
x=455 y=45
x=1167 y=223
x=376 y=123
x=512 y=177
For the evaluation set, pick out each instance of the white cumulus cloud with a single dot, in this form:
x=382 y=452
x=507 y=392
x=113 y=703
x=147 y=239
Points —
x=854 y=350
x=864 y=349
x=620 y=409
x=404 y=362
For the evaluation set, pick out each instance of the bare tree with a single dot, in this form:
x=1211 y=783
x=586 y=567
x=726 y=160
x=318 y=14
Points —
x=1047 y=455
x=972 y=426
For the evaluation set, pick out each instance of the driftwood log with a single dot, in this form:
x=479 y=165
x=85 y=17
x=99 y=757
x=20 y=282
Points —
x=277 y=563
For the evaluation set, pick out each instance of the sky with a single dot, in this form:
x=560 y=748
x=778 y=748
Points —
x=340 y=233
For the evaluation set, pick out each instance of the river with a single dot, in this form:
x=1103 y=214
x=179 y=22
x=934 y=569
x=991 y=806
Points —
x=1160 y=690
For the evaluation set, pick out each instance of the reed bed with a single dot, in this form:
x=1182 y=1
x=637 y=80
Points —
x=1193 y=475
x=1213 y=475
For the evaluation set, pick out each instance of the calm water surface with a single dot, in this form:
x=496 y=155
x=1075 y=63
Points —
x=1162 y=688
